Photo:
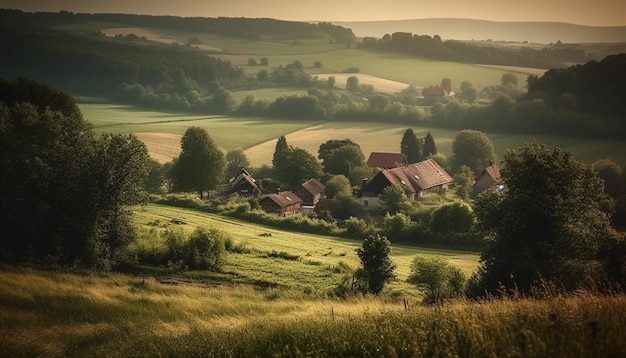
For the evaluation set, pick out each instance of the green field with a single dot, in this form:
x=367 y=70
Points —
x=257 y=136
x=318 y=255
x=334 y=58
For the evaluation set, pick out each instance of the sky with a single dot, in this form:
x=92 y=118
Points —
x=580 y=12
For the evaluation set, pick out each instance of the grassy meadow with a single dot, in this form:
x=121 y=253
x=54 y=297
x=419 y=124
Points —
x=315 y=261
x=161 y=131
x=55 y=314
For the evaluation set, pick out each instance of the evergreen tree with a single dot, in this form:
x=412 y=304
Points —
x=429 y=148
x=280 y=152
x=410 y=146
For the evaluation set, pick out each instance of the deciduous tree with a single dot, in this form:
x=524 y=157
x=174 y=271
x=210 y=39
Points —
x=235 y=160
x=200 y=166
x=546 y=224
x=337 y=184
x=472 y=148
x=376 y=265
x=63 y=190
x=440 y=279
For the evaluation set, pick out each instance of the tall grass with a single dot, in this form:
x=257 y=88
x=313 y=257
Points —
x=56 y=314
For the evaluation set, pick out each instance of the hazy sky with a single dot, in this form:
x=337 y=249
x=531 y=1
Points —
x=581 y=12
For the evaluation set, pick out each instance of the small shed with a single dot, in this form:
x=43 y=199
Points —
x=243 y=183
x=490 y=177
x=281 y=203
x=310 y=192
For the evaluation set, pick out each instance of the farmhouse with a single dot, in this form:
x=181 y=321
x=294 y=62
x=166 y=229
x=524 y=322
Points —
x=243 y=183
x=386 y=160
x=490 y=177
x=281 y=203
x=437 y=91
x=415 y=179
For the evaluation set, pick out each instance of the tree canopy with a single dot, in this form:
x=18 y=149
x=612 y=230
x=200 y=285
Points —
x=64 y=191
x=376 y=265
x=200 y=165
x=545 y=225
x=474 y=149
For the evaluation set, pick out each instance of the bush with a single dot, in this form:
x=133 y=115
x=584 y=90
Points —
x=205 y=249
x=397 y=227
x=437 y=277
x=456 y=217
x=356 y=227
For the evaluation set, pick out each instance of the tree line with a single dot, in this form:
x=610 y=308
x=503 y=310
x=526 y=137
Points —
x=456 y=51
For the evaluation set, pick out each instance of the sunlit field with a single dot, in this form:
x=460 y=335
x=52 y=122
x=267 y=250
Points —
x=54 y=314
x=318 y=255
x=257 y=136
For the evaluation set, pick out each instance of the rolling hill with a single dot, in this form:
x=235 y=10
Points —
x=470 y=29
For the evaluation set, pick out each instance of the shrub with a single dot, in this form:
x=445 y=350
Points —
x=356 y=227
x=397 y=227
x=456 y=217
x=437 y=277
x=205 y=249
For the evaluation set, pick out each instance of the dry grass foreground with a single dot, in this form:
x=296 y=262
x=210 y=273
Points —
x=55 y=314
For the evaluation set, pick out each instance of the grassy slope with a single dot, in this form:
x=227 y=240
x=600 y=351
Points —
x=319 y=256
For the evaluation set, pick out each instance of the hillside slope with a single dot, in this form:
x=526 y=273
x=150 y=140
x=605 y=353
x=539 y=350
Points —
x=469 y=29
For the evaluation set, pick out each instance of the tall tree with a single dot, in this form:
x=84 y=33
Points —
x=65 y=191
x=299 y=166
x=344 y=160
x=472 y=148
x=429 y=148
x=327 y=149
x=411 y=147
x=280 y=152
x=235 y=160
x=200 y=166
x=376 y=265
x=546 y=224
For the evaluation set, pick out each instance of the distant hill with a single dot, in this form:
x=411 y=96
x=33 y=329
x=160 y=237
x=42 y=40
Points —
x=467 y=29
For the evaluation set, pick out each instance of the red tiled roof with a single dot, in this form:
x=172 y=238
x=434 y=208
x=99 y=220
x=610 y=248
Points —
x=385 y=160
x=413 y=178
x=494 y=172
x=436 y=91
x=284 y=198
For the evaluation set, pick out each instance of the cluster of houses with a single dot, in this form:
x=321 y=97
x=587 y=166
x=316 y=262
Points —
x=416 y=179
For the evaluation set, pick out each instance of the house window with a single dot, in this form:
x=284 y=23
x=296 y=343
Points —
x=366 y=202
